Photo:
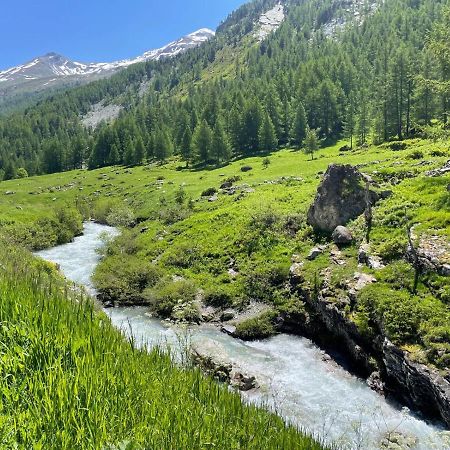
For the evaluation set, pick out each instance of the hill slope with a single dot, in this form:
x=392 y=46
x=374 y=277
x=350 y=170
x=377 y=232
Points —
x=342 y=68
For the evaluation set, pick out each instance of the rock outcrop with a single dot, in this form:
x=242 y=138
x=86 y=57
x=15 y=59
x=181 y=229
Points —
x=386 y=367
x=444 y=170
x=433 y=253
x=213 y=359
x=341 y=197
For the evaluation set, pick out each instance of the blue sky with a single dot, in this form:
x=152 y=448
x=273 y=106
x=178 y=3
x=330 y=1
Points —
x=100 y=30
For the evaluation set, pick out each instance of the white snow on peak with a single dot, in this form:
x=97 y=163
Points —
x=270 y=22
x=53 y=64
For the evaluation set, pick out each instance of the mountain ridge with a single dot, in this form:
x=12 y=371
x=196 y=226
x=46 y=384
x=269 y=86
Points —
x=53 y=70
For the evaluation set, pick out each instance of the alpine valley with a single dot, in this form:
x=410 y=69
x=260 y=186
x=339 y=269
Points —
x=238 y=241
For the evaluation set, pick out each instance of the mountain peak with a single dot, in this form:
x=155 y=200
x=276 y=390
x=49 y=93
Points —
x=52 y=67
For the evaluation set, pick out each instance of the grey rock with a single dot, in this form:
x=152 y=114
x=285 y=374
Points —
x=375 y=382
x=342 y=235
x=226 y=185
x=9 y=193
x=243 y=382
x=363 y=253
x=229 y=329
x=314 y=253
x=445 y=169
x=340 y=198
x=375 y=263
x=227 y=315
x=212 y=199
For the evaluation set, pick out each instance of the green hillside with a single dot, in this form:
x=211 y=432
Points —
x=366 y=71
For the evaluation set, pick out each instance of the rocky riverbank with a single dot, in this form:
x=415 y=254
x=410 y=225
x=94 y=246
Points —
x=387 y=368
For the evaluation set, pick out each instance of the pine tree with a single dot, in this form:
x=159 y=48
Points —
x=139 y=150
x=202 y=141
x=298 y=129
x=186 y=146
x=220 y=146
x=162 y=145
x=267 y=136
x=128 y=152
x=114 y=157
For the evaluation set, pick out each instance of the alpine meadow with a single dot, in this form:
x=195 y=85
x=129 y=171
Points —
x=240 y=240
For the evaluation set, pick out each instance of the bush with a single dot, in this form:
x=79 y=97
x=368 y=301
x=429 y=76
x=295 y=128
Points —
x=209 y=192
x=169 y=216
x=262 y=283
x=416 y=154
x=397 y=146
x=396 y=312
x=393 y=248
x=122 y=279
x=260 y=327
x=120 y=216
x=218 y=298
x=183 y=256
x=21 y=173
x=167 y=294
x=233 y=179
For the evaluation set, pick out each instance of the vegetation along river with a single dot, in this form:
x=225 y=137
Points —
x=293 y=376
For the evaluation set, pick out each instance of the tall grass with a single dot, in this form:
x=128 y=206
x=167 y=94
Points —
x=70 y=380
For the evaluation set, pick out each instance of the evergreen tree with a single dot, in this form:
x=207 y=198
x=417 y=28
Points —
x=267 y=136
x=202 y=141
x=220 y=146
x=139 y=150
x=129 y=157
x=186 y=146
x=298 y=129
x=162 y=145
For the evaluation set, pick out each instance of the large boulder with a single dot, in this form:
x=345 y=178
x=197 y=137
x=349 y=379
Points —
x=342 y=236
x=341 y=197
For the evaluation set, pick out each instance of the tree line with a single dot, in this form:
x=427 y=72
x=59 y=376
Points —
x=384 y=79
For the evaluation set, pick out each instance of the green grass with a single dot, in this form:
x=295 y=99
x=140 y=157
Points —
x=69 y=380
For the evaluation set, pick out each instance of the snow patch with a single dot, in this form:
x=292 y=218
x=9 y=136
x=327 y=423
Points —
x=270 y=22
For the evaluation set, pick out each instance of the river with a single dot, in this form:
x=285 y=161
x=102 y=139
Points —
x=295 y=380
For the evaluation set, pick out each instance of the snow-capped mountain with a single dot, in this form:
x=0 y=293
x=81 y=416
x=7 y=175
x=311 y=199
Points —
x=53 y=70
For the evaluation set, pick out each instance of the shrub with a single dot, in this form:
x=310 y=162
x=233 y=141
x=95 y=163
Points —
x=397 y=146
x=183 y=256
x=21 y=173
x=260 y=327
x=393 y=248
x=396 y=312
x=416 y=154
x=123 y=278
x=233 y=179
x=71 y=223
x=262 y=283
x=209 y=192
x=218 y=298
x=169 y=216
x=121 y=216
x=167 y=294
